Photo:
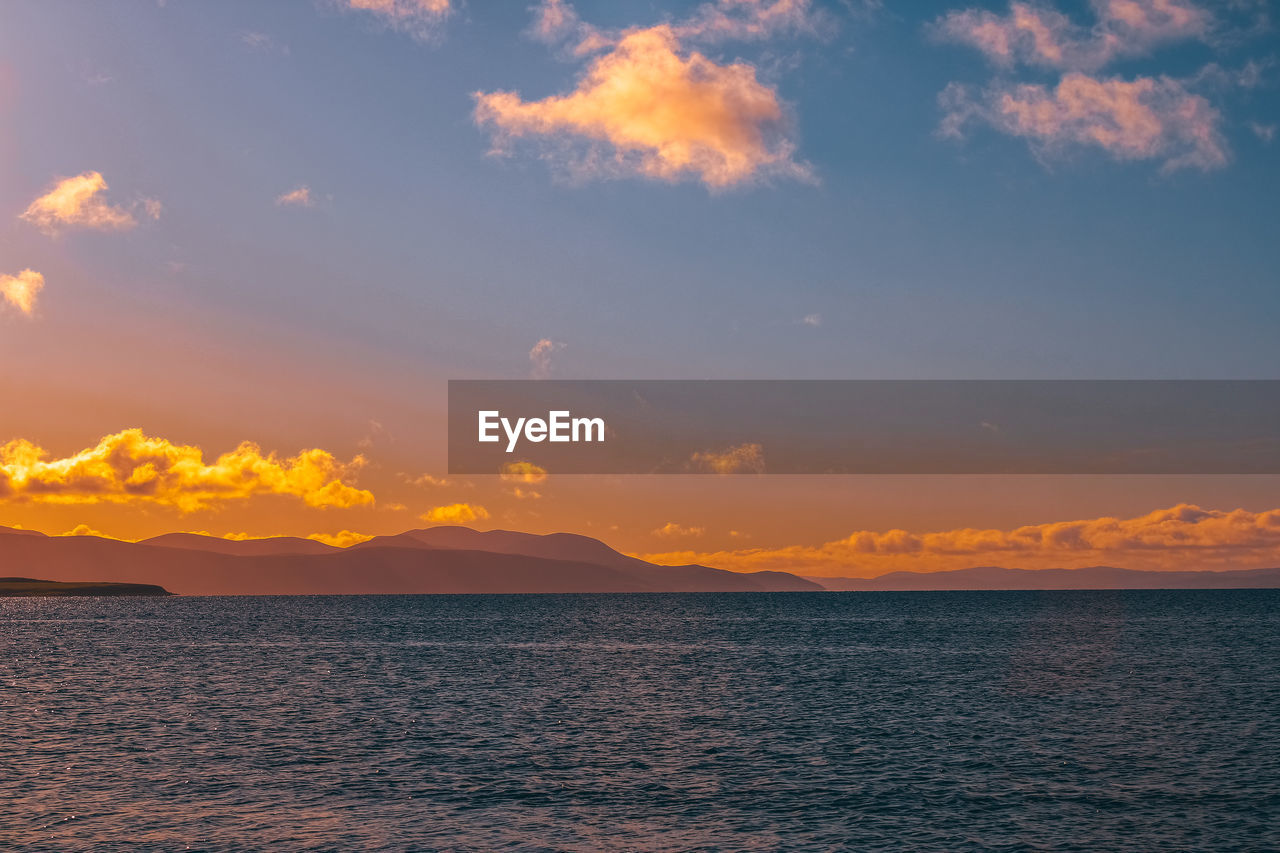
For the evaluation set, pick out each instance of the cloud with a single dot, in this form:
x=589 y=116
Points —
x=523 y=472
x=418 y=18
x=722 y=20
x=673 y=530
x=455 y=514
x=742 y=459
x=345 y=539
x=1041 y=36
x=540 y=357
x=1182 y=536
x=1144 y=118
x=1148 y=118
x=649 y=107
x=263 y=42
x=554 y=20
x=78 y=203
x=85 y=530
x=130 y=467
x=299 y=197
x=752 y=20
x=811 y=320
x=426 y=480
x=1265 y=132
x=21 y=290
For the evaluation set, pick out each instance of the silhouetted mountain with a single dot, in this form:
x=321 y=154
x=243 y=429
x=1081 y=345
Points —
x=1092 y=577
x=579 y=549
x=33 y=588
x=394 y=565
x=240 y=547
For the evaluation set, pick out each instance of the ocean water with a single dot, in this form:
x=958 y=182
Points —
x=1091 y=721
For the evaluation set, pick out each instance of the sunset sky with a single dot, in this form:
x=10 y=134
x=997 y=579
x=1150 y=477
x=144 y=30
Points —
x=244 y=245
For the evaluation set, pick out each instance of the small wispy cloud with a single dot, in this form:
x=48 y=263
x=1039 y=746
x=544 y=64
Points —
x=420 y=19
x=1042 y=36
x=672 y=530
x=540 y=357
x=263 y=43
x=742 y=459
x=1265 y=132
x=297 y=197
x=811 y=320
x=79 y=202
x=21 y=290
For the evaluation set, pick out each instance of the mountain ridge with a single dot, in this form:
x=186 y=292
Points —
x=201 y=565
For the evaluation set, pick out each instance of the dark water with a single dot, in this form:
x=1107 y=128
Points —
x=1093 y=721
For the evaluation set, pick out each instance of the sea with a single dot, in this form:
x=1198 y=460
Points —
x=922 y=721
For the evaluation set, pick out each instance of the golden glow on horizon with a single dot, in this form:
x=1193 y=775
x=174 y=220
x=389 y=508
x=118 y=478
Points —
x=1173 y=536
x=130 y=467
x=1183 y=537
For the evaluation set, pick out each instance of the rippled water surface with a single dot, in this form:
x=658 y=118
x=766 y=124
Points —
x=1098 y=721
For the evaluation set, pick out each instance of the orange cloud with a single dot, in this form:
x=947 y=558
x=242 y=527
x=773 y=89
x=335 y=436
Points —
x=21 y=290
x=419 y=18
x=455 y=514
x=345 y=539
x=130 y=467
x=1142 y=119
x=426 y=480
x=1035 y=35
x=300 y=197
x=743 y=459
x=650 y=108
x=85 y=530
x=523 y=472
x=1183 y=536
x=77 y=202
x=672 y=530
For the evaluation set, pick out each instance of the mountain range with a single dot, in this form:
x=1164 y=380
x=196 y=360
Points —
x=462 y=560
x=435 y=560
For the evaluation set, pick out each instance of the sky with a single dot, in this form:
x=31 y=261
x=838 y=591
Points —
x=244 y=245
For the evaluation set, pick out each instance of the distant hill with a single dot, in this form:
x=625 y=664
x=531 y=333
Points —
x=33 y=588
x=409 y=563
x=572 y=547
x=240 y=547
x=1091 y=577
